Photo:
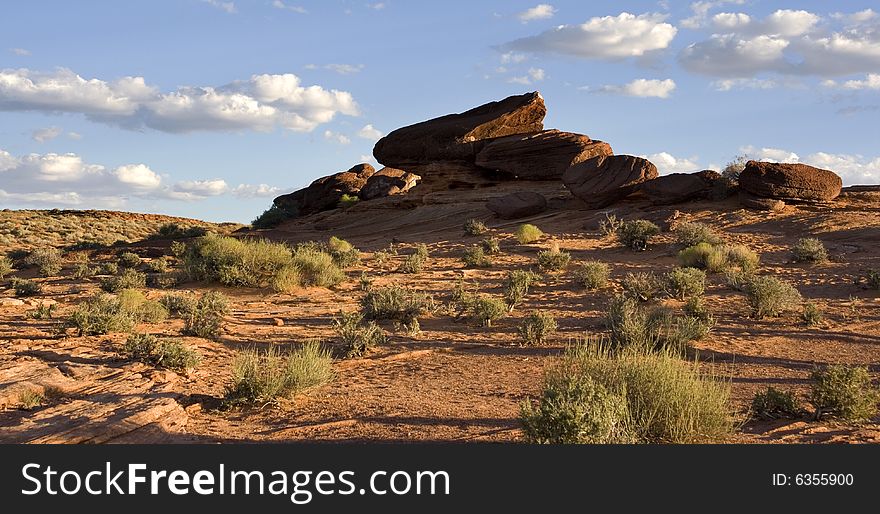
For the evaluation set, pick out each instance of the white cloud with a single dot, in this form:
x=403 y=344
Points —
x=533 y=75
x=608 y=37
x=202 y=188
x=538 y=12
x=255 y=190
x=345 y=69
x=278 y=4
x=367 y=158
x=336 y=137
x=46 y=134
x=730 y=84
x=262 y=102
x=370 y=132
x=727 y=20
x=20 y=51
x=513 y=58
x=377 y=6
x=74 y=135
x=770 y=154
x=229 y=7
x=871 y=81
x=138 y=176
x=666 y=163
x=700 y=12
x=642 y=88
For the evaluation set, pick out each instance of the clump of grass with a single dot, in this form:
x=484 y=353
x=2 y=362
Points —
x=344 y=254
x=26 y=287
x=770 y=297
x=415 y=262
x=235 y=262
x=346 y=201
x=636 y=234
x=316 y=267
x=536 y=327
x=872 y=278
x=129 y=260
x=128 y=279
x=809 y=249
x=135 y=304
x=30 y=399
x=738 y=280
x=108 y=268
x=491 y=245
x=719 y=259
x=474 y=227
x=82 y=270
x=6 y=266
x=811 y=314
x=163 y=280
x=689 y=233
x=633 y=326
x=105 y=313
x=395 y=303
x=288 y=279
x=179 y=304
x=158 y=265
x=776 y=404
x=475 y=257
x=609 y=225
x=593 y=275
x=485 y=309
x=683 y=283
x=356 y=336
x=48 y=261
x=516 y=287
x=844 y=391
x=365 y=282
x=43 y=311
x=264 y=377
x=642 y=286
x=160 y=352
x=528 y=233
x=553 y=259
x=206 y=319
x=696 y=308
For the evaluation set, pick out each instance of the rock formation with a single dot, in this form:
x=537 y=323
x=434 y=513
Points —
x=517 y=205
x=601 y=181
x=388 y=182
x=325 y=192
x=789 y=182
x=540 y=156
x=680 y=187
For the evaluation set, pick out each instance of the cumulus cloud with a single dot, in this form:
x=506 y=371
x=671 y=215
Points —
x=278 y=4
x=853 y=169
x=538 y=12
x=642 y=88
x=770 y=154
x=336 y=137
x=255 y=190
x=871 y=81
x=513 y=58
x=370 y=132
x=229 y=7
x=263 y=102
x=730 y=84
x=46 y=134
x=666 y=163
x=700 y=12
x=607 y=37
x=533 y=75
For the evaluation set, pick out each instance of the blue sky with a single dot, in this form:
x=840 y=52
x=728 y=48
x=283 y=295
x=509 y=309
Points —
x=209 y=109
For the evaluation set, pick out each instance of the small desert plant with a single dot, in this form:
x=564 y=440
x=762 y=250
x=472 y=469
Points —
x=475 y=257
x=516 y=287
x=412 y=264
x=696 y=256
x=314 y=267
x=365 y=282
x=158 y=265
x=683 y=283
x=486 y=309
x=421 y=250
x=609 y=225
x=344 y=254
x=26 y=287
x=395 y=303
x=286 y=280
x=844 y=391
x=164 y=353
x=535 y=328
x=528 y=233
x=733 y=168
x=236 y=262
x=636 y=234
x=553 y=259
x=809 y=249
x=642 y=286
x=357 y=337
x=872 y=278
x=696 y=308
x=474 y=227
x=770 y=296
x=691 y=233
x=6 y=266
x=179 y=304
x=129 y=260
x=47 y=260
x=163 y=280
x=83 y=270
x=207 y=317
x=811 y=314
x=719 y=259
x=272 y=217
x=43 y=311
x=491 y=246
x=108 y=268
x=593 y=274
x=264 y=377
x=736 y=256
x=134 y=304
x=738 y=280
x=128 y=279
x=632 y=326
x=346 y=201
x=776 y=404
x=30 y=398
x=102 y=314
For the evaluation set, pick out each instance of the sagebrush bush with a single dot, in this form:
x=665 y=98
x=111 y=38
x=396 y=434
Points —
x=104 y=313
x=683 y=283
x=474 y=227
x=737 y=256
x=636 y=234
x=609 y=225
x=811 y=314
x=770 y=297
x=536 y=327
x=695 y=307
x=43 y=311
x=395 y=303
x=642 y=286
x=161 y=352
x=356 y=336
x=286 y=280
x=492 y=245
x=633 y=326
x=775 y=404
x=26 y=287
x=83 y=270
x=272 y=217
x=48 y=261
x=691 y=233
x=344 y=254
x=163 y=280
x=872 y=279
x=6 y=266
x=553 y=259
x=140 y=308
x=516 y=287
x=314 y=267
x=206 y=319
x=264 y=377
x=31 y=398
x=235 y=262
x=593 y=274
x=738 y=280
x=179 y=304
x=528 y=233
x=485 y=309
x=475 y=257
x=719 y=259
x=412 y=264
x=696 y=256
x=128 y=260
x=108 y=268
x=158 y=265
x=844 y=391
x=809 y=249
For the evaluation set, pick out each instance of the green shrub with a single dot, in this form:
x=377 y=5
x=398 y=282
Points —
x=176 y=230
x=136 y=305
x=31 y=398
x=129 y=260
x=696 y=256
x=83 y=270
x=104 y=313
x=696 y=308
x=593 y=274
x=872 y=278
x=553 y=259
x=636 y=234
x=776 y=404
x=6 y=266
x=475 y=257
x=738 y=280
x=47 y=260
x=770 y=296
x=43 y=311
x=683 y=283
x=128 y=279
x=108 y=268
x=164 y=353
x=26 y=287
x=207 y=317
x=421 y=250
x=235 y=262
x=179 y=304
x=809 y=249
x=733 y=168
x=516 y=287
x=844 y=391
x=491 y=246
x=163 y=280
x=315 y=268
x=739 y=256
x=262 y=378
x=632 y=326
x=486 y=309
x=528 y=233
x=158 y=265
x=535 y=328
x=344 y=254
x=357 y=337
x=288 y=279
x=812 y=314
x=347 y=201
x=272 y=217
x=719 y=259
x=474 y=227
x=609 y=225
x=365 y=282
x=395 y=303
x=642 y=286
x=412 y=264
x=692 y=233
x=461 y=300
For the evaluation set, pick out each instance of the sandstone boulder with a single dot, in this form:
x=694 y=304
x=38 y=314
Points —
x=789 y=182
x=325 y=192
x=750 y=201
x=457 y=137
x=601 y=181
x=517 y=205
x=680 y=187
x=388 y=182
x=539 y=156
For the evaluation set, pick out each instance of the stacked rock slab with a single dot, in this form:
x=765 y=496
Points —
x=325 y=192
x=680 y=187
x=796 y=183
x=540 y=156
x=517 y=205
x=388 y=182
x=603 y=180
